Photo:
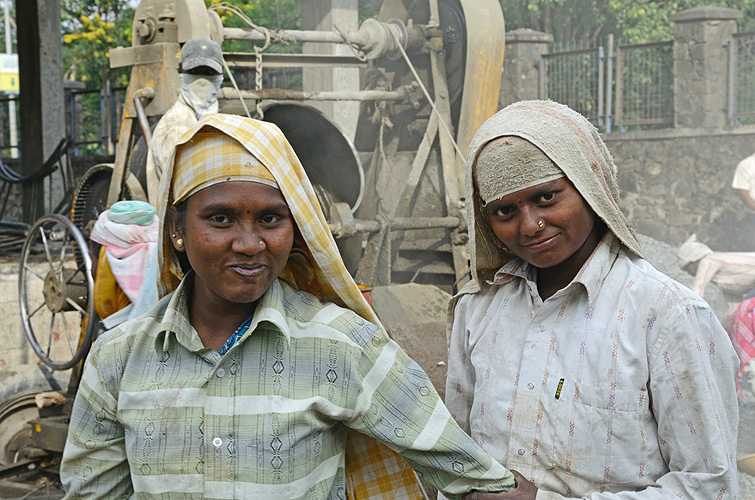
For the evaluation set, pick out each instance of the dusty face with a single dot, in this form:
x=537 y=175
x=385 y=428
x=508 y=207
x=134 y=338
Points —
x=237 y=238
x=565 y=236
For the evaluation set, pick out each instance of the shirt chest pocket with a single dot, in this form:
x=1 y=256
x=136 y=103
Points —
x=601 y=435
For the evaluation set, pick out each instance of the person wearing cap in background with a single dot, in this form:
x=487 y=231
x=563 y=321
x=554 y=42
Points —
x=732 y=272
x=201 y=73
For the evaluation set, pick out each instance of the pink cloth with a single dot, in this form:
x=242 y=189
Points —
x=742 y=334
x=129 y=248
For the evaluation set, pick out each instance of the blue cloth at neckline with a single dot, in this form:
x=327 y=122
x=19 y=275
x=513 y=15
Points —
x=243 y=327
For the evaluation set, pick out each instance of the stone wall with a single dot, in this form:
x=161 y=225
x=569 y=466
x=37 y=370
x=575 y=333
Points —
x=677 y=182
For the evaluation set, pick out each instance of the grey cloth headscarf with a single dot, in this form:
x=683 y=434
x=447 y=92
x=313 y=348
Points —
x=574 y=145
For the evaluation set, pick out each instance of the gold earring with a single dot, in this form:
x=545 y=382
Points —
x=540 y=224
x=173 y=235
x=180 y=242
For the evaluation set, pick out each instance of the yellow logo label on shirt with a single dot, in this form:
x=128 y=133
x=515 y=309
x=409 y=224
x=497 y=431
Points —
x=558 y=389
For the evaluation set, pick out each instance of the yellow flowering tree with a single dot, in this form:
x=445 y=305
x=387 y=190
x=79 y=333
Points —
x=90 y=30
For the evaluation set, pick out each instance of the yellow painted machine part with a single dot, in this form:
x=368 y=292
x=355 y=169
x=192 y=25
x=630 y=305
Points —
x=486 y=39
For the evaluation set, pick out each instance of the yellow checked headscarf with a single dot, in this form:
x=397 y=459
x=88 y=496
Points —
x=224 y=147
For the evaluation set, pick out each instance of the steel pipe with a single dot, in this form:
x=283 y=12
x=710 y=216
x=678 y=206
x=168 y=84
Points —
x=298 y=95
x=398 y=224
x=281 y=34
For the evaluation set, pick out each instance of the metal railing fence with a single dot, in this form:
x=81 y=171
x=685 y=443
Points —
x=645 y=84
x=575 y=78
x=93 y=118
x=633 y=87
x=741 y=91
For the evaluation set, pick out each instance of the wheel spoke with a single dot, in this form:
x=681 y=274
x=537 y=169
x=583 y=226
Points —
x=47 y=248
x=32 y=271
x=81 y=269
x=63 y=249
x=76 y=306
x=40 y=306
x=68 y=335
x=50 y=335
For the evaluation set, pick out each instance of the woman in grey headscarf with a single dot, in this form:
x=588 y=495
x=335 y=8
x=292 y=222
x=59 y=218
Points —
x=571 y=359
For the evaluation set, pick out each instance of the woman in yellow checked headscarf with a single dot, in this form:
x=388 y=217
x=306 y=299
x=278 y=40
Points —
x=244 y=379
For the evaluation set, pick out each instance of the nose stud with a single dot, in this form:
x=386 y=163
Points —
x=540 y=224
x=262 y=243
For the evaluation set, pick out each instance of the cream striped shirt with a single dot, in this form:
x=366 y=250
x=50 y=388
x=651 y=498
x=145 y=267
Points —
x=621 y=382
x=158 y=415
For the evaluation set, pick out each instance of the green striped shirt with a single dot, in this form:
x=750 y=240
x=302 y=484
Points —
x=159 y=415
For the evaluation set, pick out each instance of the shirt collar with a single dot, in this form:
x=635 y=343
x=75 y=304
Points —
x=270 y=309
x=596 y=268
x=591 y=275
x=176 y=318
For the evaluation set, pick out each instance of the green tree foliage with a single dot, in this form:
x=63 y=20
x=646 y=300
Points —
x=275 y=14
x=586 y=23
x=640 y=21
x=573 y=23
x=283 y=14
x=90 y=30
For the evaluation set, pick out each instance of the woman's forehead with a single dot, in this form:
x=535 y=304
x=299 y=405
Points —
x=538 y=189
x=239 y=190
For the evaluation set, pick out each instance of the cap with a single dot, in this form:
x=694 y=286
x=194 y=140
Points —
x=201 y=52
x=692 y=251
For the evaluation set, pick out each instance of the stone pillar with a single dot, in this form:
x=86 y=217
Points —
x=42 y=123
x=332 y=15
x=700 y=65
x=524 y=47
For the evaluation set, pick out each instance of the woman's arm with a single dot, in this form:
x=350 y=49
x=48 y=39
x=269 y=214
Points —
x=94 y=461
x=399 y=406
x=706 y=270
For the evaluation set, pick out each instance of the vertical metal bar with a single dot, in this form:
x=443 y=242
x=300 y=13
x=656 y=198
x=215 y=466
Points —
x=3 y=120
x=609 y=82
x=541 y=94
x=619 y=86
x=102 y=124
x=106 y=117
x=600 y=86
x=731 y=47
x=115 y=118
x=111 y=121
x=73 y=124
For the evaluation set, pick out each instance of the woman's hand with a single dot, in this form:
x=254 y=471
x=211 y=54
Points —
x=524 y=490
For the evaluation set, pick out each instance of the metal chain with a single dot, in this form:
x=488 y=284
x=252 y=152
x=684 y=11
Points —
x=258 y=78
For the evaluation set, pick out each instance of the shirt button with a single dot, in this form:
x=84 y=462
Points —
x=521 y=451
x=216 y=442
x=541 y=328
x=530 y=386
x=220 y=373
